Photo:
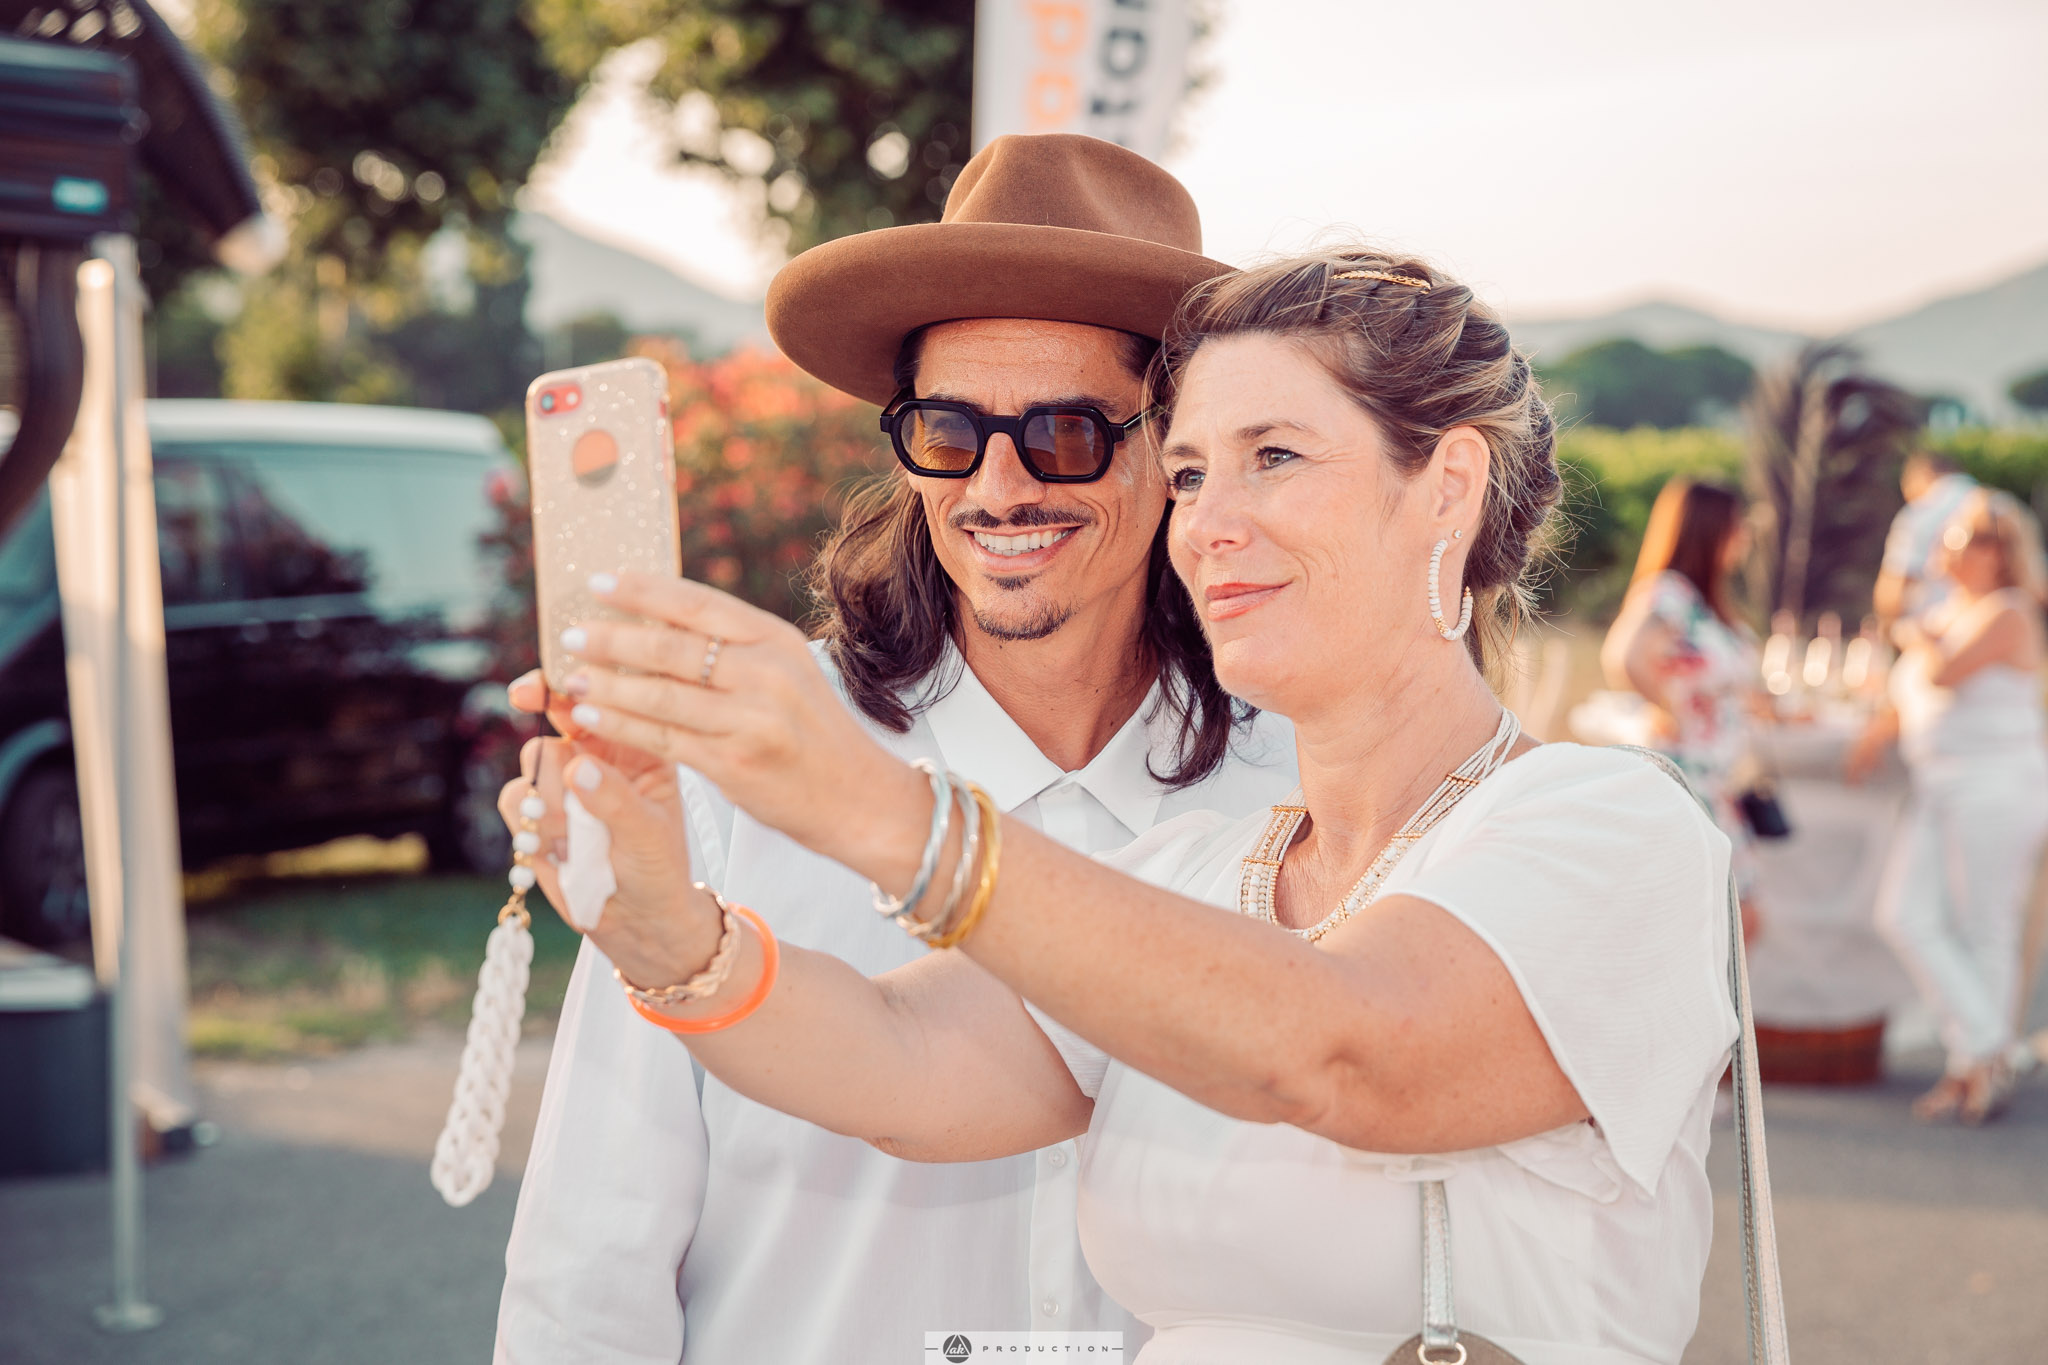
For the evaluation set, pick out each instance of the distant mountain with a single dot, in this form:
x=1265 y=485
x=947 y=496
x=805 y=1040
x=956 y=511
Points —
x=1658 y=324
x=575 y=276
x=1968 y=345
x=1971 y=345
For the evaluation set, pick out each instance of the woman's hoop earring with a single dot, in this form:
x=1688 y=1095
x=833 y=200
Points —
x=1436 y=604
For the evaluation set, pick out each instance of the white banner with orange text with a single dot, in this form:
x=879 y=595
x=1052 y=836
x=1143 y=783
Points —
x=1113 y=69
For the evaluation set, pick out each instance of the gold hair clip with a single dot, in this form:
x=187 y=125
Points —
x=1388 y=276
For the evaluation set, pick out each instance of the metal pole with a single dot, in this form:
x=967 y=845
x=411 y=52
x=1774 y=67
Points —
x=129 y=1312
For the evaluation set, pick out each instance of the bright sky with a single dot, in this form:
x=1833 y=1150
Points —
x=1813 y=163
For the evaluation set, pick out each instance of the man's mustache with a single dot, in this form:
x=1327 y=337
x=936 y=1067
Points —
x=1030 y=514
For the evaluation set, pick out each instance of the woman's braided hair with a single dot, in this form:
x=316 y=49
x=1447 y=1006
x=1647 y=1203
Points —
x=1421 y=355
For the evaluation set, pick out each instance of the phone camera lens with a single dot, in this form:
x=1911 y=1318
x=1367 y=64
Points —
x=547 y=402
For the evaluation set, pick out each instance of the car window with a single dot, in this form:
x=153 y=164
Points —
x=194 y=537
x=28 y=558
x=404 y=527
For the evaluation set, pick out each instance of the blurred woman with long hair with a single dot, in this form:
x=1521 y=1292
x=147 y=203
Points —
x=1967 y=714
x=1679 y=644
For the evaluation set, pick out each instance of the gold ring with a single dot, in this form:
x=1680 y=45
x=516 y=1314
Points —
x=710 y=661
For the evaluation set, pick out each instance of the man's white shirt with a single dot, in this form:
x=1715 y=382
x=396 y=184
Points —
x=1915 y=535
x=651 y=1223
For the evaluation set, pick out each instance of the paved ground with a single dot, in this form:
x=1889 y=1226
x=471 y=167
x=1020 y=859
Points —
x=309 y=1236
x=1903 y=1244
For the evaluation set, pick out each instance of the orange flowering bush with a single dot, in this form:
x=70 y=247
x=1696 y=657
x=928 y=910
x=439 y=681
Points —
x=765 y=456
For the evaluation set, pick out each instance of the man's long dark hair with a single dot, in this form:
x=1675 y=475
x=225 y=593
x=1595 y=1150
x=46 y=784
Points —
x=886 y=610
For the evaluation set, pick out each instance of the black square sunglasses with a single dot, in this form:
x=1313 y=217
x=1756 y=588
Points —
x=1058 y=443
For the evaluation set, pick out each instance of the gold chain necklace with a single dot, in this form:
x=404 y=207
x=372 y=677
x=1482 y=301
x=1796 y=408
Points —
x=1261 y=875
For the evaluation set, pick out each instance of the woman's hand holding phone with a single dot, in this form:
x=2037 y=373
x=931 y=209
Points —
x=601 y=461
x=654 y=920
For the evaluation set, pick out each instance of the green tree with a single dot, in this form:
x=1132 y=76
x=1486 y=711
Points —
x=2030 y=391
x=1623 y=383
x=376 y=124
x=592 y=338
x=852 y=114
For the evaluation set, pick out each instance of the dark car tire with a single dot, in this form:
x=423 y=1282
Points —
x=43 y=898
x=470 y=835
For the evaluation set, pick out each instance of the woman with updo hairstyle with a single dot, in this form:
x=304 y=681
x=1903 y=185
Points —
x=1966 y=712
x=1461 y=981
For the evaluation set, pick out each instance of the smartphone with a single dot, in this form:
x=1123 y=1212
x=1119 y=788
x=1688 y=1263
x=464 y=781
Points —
x=601 y=463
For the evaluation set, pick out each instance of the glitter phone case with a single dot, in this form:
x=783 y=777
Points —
x=601 y=462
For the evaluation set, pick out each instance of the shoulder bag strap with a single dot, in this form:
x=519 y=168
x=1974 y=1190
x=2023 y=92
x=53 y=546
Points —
x=1768 y=1344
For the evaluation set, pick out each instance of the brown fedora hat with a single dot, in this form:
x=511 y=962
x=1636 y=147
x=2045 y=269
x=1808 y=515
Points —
x=1054 y=226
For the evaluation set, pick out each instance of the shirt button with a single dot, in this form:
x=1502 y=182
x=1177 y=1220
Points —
x=1057 y=1157
x=1051 y=1308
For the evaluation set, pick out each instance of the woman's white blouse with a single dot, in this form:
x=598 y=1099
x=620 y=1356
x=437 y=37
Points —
x=1602 y=887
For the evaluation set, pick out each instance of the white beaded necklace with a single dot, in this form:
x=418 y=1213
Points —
x=1255 y=890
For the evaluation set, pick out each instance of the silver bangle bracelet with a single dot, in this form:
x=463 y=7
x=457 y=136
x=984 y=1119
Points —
x=935 y=844
x=970 y=849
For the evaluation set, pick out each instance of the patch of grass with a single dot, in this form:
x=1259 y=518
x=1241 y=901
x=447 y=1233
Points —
x=307 y=964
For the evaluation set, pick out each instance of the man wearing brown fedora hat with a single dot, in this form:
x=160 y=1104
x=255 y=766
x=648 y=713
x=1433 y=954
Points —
x=1004 y=608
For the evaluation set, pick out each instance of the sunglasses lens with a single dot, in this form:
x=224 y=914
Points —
x=1066 y=445
x=938 y=439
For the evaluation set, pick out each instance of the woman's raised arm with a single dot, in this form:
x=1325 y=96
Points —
x=1403 y=1033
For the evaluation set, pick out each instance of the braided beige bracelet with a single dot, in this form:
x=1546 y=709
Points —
x=704 y=984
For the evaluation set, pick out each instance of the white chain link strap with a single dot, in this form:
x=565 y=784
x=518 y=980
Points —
x=466 y=1153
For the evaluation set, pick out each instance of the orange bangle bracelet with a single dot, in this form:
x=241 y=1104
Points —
x=771 y=957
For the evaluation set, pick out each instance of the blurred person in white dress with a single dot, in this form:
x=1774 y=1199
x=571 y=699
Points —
x=1966 y=712
x=1456 y=955
x=1679 y=643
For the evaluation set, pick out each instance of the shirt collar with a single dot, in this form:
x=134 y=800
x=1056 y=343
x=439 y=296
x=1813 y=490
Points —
x=978 y=739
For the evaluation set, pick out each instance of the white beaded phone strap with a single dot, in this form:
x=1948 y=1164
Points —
x=466 y=1153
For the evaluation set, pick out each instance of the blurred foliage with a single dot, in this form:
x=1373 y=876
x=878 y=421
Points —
x=1623 y=383
x=2004 y=457
x=2030 y=391
x=1612 y=477
x=184 y=354
x=589 y=339
x=765 y=456
x=793 y=96
x=1825 y=443
x=375 y=124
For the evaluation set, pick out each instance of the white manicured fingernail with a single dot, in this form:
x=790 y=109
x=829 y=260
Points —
x=604 y=584
x=586 y=715
x=587 y=776
x=574 y=639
